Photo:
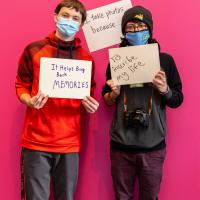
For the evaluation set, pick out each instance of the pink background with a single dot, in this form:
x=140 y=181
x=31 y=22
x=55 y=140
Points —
x=176 y=27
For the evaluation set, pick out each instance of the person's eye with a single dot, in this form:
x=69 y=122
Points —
x=130 y=26
x=65 y=15
x=76 y=18
x=142 y=25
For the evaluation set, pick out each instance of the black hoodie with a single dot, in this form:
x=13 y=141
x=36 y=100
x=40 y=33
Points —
x=153 y=137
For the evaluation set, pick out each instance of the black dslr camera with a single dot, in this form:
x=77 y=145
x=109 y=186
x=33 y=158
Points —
x=136 y=119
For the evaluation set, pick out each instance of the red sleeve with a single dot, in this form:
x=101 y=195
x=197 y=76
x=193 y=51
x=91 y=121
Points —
x=24 y=77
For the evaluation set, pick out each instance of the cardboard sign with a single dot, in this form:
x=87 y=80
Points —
x=103 y=25
x=65 y=78
x=135 y=64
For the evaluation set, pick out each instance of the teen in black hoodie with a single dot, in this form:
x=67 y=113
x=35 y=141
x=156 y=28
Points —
x=139 y=149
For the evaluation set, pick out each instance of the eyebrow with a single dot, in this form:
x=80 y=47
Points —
x=65 y=12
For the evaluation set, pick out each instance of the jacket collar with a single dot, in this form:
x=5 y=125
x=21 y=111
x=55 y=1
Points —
x=58 y=43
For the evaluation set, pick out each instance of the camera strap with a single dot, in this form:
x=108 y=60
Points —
x=150 y=101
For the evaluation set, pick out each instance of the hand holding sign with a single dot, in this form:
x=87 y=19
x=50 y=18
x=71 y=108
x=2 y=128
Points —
x=115 y=88
x=160 y=82
x=37 y=101
x=90 y=104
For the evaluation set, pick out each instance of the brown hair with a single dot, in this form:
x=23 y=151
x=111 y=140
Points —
x=75 y=4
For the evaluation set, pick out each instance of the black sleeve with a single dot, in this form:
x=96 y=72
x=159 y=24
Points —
x=106 y=88
x=174 y=97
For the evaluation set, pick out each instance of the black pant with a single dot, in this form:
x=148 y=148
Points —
x=42 y=167
x=125 y=167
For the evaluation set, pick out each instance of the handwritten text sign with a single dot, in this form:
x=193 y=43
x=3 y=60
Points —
x=103 y=25
x=135 y=64
x=65 y=78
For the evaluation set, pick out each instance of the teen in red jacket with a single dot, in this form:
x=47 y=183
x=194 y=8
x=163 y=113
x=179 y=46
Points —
x=51 y=134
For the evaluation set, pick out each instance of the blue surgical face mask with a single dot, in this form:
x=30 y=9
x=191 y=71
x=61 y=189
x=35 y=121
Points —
x=138 y=38
x=67 y=27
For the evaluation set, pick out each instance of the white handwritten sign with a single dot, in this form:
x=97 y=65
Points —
x=65 y=78
x=135 y=64
x=103 y=25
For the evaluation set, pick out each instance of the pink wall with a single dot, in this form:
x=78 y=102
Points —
x=177 y=29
